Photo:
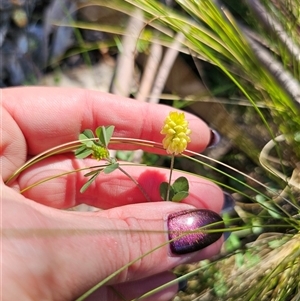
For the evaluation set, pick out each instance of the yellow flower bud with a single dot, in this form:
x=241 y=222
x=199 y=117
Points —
x=177 y=133
x=99 y=152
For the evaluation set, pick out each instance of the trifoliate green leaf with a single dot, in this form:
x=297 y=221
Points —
x=163 y=188
x=181 y=184
x=179 y=196
x=104 y=133
x=80 y=149
x=91 y=173
x=110 y=168
x=86 y=134
x=89 y=182
x=83 y=152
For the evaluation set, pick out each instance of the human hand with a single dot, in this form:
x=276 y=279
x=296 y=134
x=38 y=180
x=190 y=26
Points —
x=53 y=254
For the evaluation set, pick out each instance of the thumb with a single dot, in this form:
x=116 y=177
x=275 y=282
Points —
x=66 y=253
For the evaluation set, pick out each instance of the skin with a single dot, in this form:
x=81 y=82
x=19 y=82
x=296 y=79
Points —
x=53 y=254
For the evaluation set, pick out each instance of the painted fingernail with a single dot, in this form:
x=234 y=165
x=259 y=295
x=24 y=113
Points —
x=228 y=204
x=214 y=138
x=189 y=222
x=228 y=207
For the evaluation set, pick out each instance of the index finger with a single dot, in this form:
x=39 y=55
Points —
x=49 y=116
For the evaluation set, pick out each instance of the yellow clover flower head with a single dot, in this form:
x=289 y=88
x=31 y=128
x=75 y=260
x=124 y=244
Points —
x=177 y=133
x=99 y=152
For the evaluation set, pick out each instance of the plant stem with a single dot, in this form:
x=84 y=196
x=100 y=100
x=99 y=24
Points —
x=136 y=183
x=170 y=177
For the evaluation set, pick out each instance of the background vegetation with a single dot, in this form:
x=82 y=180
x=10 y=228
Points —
x=236 y=65
x=239 y=71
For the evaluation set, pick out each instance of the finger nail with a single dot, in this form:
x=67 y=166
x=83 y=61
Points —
x=190 y=221
x=228 y=204
x=214 y=138
x=228 y=207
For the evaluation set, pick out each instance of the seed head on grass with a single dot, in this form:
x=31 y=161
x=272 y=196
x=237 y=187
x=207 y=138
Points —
x=177 y=133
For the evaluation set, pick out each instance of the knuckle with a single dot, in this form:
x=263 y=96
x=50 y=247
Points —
x=137 y=241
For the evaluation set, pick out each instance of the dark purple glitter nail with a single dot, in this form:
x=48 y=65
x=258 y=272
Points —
x=190 y=220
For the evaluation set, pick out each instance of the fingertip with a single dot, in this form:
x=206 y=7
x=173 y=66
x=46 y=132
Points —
x=204 y=194
x=200 y=135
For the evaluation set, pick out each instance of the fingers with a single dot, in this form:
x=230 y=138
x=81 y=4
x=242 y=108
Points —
x=49 y=117
x=12 y=146
x=90 y=246
x=109 y=190
x=55 y=245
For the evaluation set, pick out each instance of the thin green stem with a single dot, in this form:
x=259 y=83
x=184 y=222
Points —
x=136 y=183
x=53 y=177
x=170 y=178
